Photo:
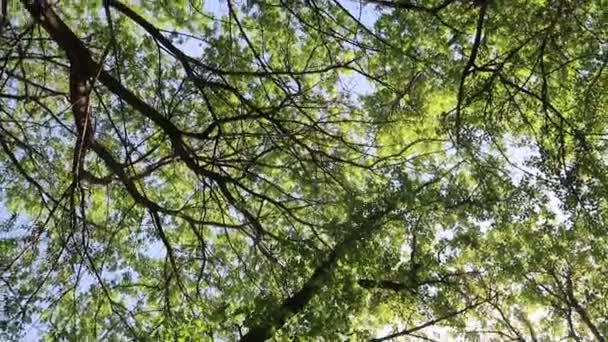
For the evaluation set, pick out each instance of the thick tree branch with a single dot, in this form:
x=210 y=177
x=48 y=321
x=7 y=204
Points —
x=469 y=67
x=296 y=303
x=405 y=5
x=75 y=49
x=580 y=310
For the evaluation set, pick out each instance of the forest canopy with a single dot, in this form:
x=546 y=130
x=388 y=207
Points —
x=315 y=170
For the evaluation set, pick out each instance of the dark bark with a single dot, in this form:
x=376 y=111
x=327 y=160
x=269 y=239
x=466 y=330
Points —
x=296 y=303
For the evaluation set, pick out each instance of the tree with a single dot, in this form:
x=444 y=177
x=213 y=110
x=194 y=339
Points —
x=331 y=170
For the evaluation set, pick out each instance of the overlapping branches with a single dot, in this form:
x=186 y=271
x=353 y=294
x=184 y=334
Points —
x=233 y=187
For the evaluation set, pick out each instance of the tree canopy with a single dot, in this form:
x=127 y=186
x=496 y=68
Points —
x=315 y=170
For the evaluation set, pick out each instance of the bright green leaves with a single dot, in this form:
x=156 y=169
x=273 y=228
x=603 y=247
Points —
x=250 y=182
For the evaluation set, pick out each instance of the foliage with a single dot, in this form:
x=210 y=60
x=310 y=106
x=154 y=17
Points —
x=320 y=169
